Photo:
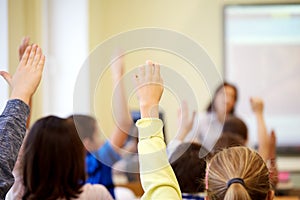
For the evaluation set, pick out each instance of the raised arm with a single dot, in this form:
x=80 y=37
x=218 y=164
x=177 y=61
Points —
x=13 y=119
x=157 y=177
x=257 y=106
x=24 y=44
x=121 y=113
x=272 y=160
x=185 y=123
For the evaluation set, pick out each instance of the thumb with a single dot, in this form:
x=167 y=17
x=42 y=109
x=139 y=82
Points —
x=6 y=76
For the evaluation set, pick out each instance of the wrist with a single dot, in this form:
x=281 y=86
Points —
x=21 y=96
x=259 y=114
x=149 y=111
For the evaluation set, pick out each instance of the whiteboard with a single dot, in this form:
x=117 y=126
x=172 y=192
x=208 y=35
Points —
x=262 y=57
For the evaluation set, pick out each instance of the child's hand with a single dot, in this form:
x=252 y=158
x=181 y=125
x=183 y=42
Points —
x=28 y=74
x=149 y=89
x=257 y=105
x=186 y=123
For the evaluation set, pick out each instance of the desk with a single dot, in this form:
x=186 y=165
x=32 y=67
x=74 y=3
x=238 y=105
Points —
x=136 y=187
x=286 y=198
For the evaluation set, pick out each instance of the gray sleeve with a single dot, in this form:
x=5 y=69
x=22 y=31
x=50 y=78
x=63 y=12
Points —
x=12 y=131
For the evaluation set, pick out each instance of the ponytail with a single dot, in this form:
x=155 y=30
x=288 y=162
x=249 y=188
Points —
x=237 y=173
x=237 y=191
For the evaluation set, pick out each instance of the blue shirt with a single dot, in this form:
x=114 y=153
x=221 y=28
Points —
x=99 y=166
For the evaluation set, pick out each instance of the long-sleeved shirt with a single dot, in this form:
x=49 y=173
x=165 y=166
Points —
x=157 y=177
x=206 y=130
x=99 y=166
x=12 y=131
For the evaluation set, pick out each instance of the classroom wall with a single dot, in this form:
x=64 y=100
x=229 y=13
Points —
x=200 y=20
x=25 y=18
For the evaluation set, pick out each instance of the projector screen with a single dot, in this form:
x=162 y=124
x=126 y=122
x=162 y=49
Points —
x=262 y=57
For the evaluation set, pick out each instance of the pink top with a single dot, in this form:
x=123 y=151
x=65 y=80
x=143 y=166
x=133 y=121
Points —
x=90 y=192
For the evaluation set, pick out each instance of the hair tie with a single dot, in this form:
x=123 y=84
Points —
x=235 y=180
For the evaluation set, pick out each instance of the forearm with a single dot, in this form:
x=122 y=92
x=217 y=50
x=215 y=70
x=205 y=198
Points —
x=120 y=104
x=263 y=139
x=182 y=133
x=12 y=131
x=121 y=114
x=157 y=177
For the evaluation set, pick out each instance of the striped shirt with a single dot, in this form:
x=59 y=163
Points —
x=197 y=196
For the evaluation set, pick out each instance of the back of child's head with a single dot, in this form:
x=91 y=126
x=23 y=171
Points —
x=237 y=173
x=236 y=126
x=227 y=140
x=189 y=167
x=85 y=125
x=53 y=161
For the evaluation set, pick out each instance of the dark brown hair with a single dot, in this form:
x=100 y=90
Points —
x=226 y=141
x=189 y=167
x=210 y=107
x=53 y=162
x=85 y=125
x=236 y=126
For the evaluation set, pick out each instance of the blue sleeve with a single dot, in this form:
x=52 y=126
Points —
x=12 y=131
x=107 y=155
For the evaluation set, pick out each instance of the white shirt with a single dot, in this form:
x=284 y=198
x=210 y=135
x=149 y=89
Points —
x=206 y=130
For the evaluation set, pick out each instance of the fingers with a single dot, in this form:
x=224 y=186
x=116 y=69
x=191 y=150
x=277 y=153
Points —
x=41 y=63
x=156 y=69
x=149 y=73
x=25 y=55
x=256 y=100
x=6 y=76
x=141 y=73
x=32 y=54
x=257 y=104
x=37 y=57
x=23 y=46
x=149 y=67
x=25 y=41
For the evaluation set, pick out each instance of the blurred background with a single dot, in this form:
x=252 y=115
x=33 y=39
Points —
x=252 y=43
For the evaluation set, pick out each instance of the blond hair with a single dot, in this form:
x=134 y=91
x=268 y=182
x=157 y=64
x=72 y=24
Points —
x=237 y=163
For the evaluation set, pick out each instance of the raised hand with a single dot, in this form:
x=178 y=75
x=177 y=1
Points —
x=257 y=105
x=121 y=112
x=149 y=89
x=28 y=74
x=185 y=122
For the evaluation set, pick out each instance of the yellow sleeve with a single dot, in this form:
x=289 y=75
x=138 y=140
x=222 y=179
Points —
x=157 y=176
